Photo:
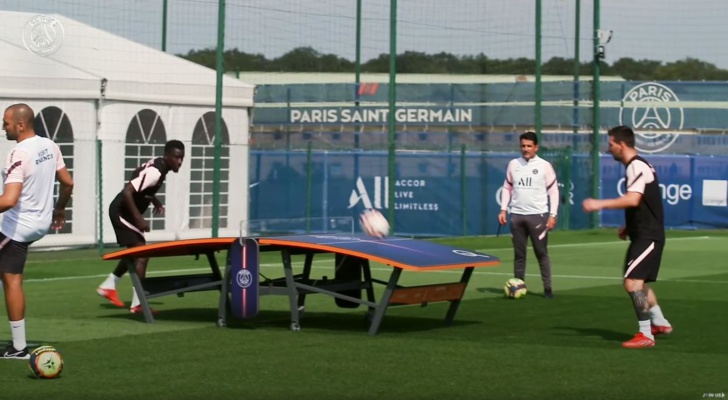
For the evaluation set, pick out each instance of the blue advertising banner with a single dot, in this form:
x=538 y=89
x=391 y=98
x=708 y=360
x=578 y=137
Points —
x=433 y=198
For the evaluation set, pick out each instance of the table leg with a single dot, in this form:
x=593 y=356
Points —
x=453 y=309
x=384 y=301
x=136 y=282
x=292 y=290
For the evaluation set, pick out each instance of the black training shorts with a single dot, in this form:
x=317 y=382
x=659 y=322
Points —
x=643 y=259
x=126 y=233
x=12 y=255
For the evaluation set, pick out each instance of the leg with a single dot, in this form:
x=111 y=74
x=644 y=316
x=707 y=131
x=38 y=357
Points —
x=129 y=238
x=519 y=239
x=641 y=264
x=140 y=273
x=660 y=325
x=539 y=234
x=12 y=264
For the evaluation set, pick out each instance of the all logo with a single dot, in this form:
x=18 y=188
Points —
x=655 y=114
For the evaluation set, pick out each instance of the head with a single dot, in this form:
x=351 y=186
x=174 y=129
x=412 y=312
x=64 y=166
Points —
x=18 y=122
x=174 y=154
x=529 y=145
x=621 y=143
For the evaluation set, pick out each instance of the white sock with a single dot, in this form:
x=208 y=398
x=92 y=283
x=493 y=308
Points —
x=134 y=298
x=645 y=329
x=110 y=282
x=657 y=317
x=18 y=331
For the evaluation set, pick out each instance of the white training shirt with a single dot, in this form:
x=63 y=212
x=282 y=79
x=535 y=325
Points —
x=530 y=187
x=33 y=162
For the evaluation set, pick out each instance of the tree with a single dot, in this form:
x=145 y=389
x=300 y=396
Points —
x=308 y=59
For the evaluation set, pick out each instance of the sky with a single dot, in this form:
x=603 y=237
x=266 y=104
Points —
x=662 y=30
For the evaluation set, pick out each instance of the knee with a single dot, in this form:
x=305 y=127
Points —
x=12 y=282
x=633 y=285
x=142 y=262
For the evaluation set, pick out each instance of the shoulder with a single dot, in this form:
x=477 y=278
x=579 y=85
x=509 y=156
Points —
x=160 y=164
x=18 y=153
x=639 y=164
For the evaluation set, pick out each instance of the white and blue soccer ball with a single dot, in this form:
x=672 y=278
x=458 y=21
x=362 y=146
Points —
x=45 y=362
x=515 y=288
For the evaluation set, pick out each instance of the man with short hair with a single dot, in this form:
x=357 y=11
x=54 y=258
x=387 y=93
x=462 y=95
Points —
x=29 y=175
x=645 y=227
x=531 y=191
x=126 y=214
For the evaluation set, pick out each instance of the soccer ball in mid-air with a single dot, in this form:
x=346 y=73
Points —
x=374 y=224
x=45 y=362
x=515 y=288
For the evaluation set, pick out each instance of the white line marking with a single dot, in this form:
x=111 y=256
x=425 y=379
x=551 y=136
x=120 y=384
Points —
x=459 y=272
x=602 y=243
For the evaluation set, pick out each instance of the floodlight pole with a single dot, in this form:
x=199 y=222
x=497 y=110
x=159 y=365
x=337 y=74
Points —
x=164 y=25
x=596 y=142
x=392 y=110
x=538 y=121
x=218 y=118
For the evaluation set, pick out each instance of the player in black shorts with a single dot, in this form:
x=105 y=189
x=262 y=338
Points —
x=645 y=228
x=126 y=212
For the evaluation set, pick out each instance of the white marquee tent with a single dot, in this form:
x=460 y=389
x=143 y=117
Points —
x=111 y=104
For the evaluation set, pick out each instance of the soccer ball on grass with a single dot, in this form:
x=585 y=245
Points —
x=45 y=362
x=515 y=288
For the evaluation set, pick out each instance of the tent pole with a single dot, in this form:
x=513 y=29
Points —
x=218 y=118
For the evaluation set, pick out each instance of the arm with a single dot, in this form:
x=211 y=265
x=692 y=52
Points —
x=128 y=195
x=639 y=175
x=148 y=177
x=158 y=206
x=552 y=190
x=10 y=196
x=16 y=165
x=629 y=200
x=64 y=194
x=506 y=194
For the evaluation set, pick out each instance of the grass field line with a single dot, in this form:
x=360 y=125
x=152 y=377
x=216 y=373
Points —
x=328 y=267
x=600 y=243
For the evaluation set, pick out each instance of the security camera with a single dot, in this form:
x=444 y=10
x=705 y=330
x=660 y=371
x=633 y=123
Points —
x=600 y=52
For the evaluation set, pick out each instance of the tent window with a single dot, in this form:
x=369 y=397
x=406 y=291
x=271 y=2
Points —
x=202 y=162
x=145 y=139
x=53 y=123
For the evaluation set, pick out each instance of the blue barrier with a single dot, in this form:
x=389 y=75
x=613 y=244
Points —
x=430 y=191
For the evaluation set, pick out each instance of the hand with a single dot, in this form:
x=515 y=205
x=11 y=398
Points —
x=59 y=219
x=143 y=225
x=502 y=218
x=590 y=205
x=158 y=209
x=622 y=232
x=551 y=224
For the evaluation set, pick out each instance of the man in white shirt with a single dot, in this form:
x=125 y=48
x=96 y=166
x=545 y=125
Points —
x=29 y=175
x=531 y=191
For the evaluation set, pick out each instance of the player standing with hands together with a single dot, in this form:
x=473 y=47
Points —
x=645 y=227
x=531 y=191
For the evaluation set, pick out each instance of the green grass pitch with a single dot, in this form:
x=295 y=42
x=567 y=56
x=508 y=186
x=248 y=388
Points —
x=565 y=348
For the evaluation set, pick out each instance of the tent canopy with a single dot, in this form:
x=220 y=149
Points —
x=90 y=58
